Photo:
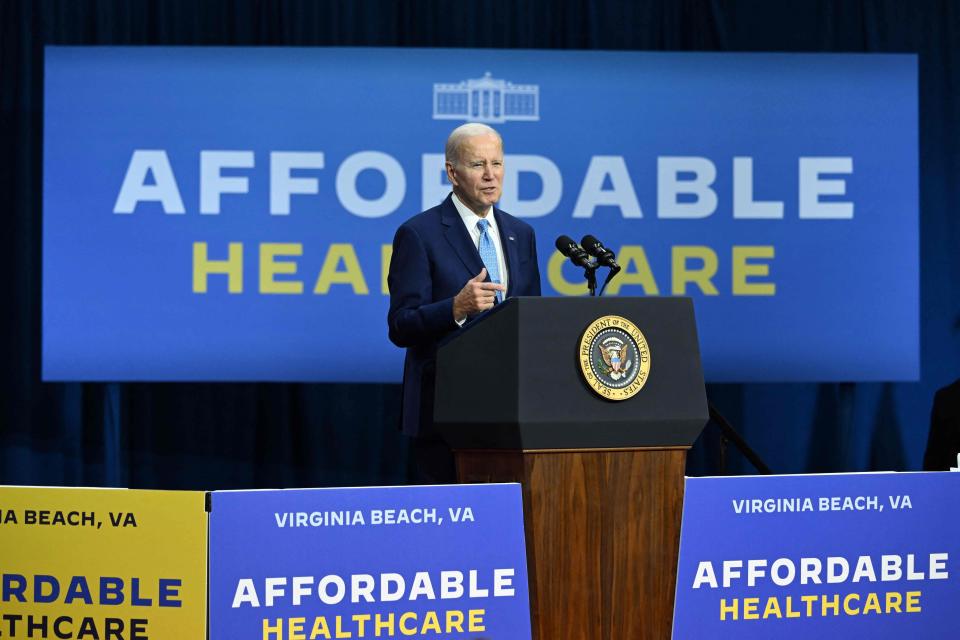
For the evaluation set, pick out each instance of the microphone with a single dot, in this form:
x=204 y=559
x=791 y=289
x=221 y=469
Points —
x=572 y=250
x=595 y=248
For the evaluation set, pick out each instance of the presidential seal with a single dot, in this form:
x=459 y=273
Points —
x=614 y=358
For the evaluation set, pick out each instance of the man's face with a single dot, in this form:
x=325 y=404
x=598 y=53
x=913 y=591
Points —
x=477 y=177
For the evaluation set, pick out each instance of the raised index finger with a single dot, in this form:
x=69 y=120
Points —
x=491 y=286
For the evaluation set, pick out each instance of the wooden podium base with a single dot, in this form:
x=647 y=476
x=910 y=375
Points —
x=603 y=536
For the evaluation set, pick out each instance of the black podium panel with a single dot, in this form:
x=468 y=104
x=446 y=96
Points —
x=512 y=379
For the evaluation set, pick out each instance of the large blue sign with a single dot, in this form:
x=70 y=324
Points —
x=825 y=556
x=386 y=562
x=227 y=214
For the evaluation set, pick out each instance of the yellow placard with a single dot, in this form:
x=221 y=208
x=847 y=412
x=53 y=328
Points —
x=104 y=564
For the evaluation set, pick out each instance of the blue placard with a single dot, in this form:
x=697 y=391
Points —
x=227 y=213
x=385 y=562
x=826 y=556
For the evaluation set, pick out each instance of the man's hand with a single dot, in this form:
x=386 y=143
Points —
x=476 y=296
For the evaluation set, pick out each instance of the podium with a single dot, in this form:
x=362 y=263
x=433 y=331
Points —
x=602 y=479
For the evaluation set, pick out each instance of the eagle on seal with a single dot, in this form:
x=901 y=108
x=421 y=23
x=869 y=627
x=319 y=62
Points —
x=615 y=358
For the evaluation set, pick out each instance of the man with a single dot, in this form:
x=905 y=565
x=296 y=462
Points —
x=450 y=264
x=943 y=440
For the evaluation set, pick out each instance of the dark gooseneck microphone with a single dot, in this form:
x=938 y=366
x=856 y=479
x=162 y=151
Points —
x=569 y=248
x=595 y=248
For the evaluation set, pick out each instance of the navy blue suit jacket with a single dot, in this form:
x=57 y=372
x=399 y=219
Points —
x=433 y=258
x=943 y=441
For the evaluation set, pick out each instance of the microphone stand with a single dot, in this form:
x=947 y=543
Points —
x=590 y=271
x=729 y=434
x=610 y=275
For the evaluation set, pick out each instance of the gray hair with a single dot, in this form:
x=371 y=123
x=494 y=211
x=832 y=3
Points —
x=461 y=133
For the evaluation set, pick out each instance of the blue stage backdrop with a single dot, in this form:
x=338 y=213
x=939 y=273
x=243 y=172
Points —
x=227 y=213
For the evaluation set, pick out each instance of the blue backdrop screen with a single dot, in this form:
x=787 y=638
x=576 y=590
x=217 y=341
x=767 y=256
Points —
x=227 y=213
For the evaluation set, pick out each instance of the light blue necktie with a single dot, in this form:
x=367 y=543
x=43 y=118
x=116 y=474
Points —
x=488 y=253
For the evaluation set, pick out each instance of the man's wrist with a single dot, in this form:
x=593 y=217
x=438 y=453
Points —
x=458 y=313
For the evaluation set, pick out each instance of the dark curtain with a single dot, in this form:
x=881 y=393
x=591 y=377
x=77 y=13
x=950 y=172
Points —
x=278 y=435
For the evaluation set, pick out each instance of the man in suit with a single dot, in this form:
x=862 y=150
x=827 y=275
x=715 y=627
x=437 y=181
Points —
x=450 y=264
x=943 y=441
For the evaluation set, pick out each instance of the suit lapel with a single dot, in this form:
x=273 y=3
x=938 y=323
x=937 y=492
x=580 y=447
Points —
x=456 y=234
x=508 y=240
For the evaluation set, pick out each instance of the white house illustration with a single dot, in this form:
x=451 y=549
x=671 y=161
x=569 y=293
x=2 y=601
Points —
x=486 y=99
